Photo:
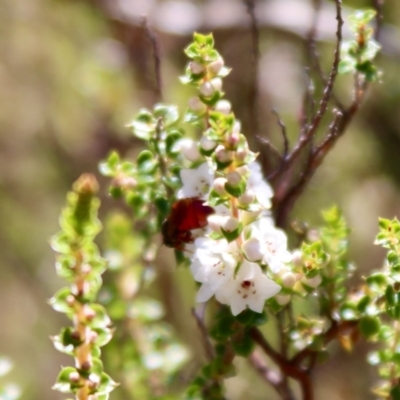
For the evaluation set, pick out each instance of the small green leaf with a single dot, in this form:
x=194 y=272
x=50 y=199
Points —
x=168 y=114
x=63 y=383
x=369 y=326
x=59 y=301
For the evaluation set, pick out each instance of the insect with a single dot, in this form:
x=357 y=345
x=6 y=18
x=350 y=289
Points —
x=186 y=214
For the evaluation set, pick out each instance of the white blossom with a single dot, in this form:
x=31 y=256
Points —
x=196 y=182
x=260 y=187
x=251 y=288
x=273 y=244
x=213 y=264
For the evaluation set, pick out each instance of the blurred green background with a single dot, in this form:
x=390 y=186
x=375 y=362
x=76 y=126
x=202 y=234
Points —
x=73 y=73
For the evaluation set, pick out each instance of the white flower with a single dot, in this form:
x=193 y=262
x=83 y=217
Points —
x=260 y=187
x=196 y=182
x=250 y=288
x=213 y=264
x=273 y=243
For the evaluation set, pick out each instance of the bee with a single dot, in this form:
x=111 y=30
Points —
x=186 y=214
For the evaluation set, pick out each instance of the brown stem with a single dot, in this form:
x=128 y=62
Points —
x=253 y=94
x=198 y=314
x=287 y=367
x=157 y=59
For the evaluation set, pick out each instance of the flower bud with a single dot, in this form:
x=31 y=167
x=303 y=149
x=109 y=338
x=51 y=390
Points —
x=232 y=140
x=190 y=150
x=252 y=249
x=215 y=66
x=248 y=217
x=222 y=155
x=89 y=313
x=196 y=68
x=74 y=377
x=233 y=178
x=196 y=105
x=207 y=144
x=219 y=186
x=288 y=279
x=296 y=258
x=283 y=299
x=215 y=222
x=223 y=106
x=312 y=282
x=243 y=171
x=216 y=83
x=240 y=156
x=230 y=224
x=237 y=126
x=247 y=197
x=206 y=89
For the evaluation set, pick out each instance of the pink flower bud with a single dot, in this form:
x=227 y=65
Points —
x=222 y=154
x=196 y=68
x=207 y=89
x=215 y=66
x=233 y=178
x=219 y=186
x=190 y=150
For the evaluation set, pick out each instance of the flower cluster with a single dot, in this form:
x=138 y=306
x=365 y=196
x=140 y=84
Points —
x=240 y=253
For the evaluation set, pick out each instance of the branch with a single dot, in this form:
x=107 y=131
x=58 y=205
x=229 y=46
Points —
x=309 y=134
x=198 y=314
x=288 y=368
x=157 y=59
x=253 y=93
x=274 y=378
x=332 y=333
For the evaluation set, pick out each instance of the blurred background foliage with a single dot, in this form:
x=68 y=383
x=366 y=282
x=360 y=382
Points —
x=73 y=73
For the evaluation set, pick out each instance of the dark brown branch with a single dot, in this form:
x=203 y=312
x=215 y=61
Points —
x=336 y=130
x=309 y=134
x=332 y=333
x=288 y=368
x=157 y=59
x=273 y=378
x=198 y=314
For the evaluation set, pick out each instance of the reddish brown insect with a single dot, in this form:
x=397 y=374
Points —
x=186 y=215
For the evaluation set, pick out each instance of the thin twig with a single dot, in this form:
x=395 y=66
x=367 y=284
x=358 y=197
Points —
x=253 y=93
x=285 y=144
x=378 y=5
x=271 y=147
x=198 y=314
x=157 y=59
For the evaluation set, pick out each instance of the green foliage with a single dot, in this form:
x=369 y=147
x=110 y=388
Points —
x=81 y=264
x=358 y=54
